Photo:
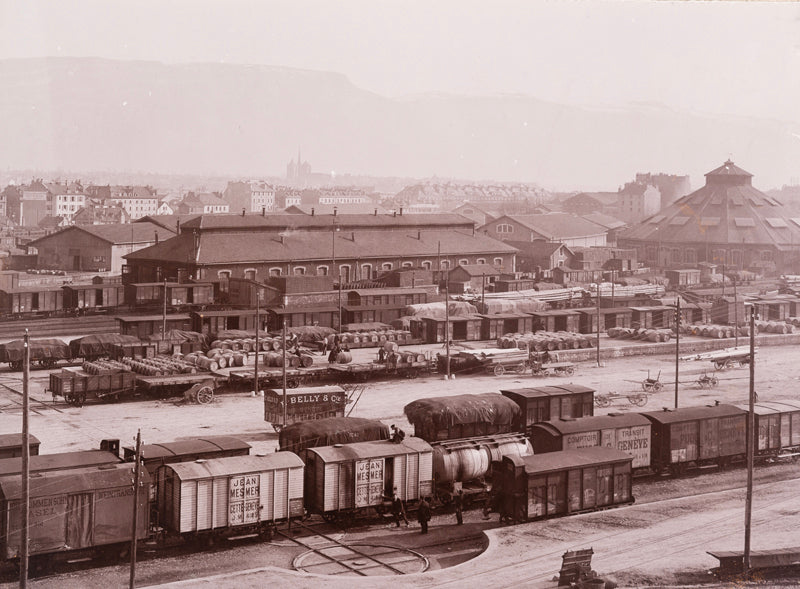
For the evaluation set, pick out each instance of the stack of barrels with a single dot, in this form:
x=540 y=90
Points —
x=217 y=358
x=774 y=327
x=794 y=321
x=266 y=344
x=159 y=366
x=650 y=335
x=543 y=341
x=715 y=331
x=370 y=339
x=104 y=367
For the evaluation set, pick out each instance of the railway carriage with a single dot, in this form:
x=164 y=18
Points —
x=298 y=437
x=539 y=404
x=564 y=483
x=303 y=404
x=343 y=481
x=777 y=427
x=462 y=416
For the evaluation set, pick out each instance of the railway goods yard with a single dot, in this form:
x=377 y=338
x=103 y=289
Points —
x=649 y=515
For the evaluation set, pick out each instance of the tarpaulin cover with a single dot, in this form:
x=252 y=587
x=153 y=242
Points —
x=310 y=333
x=40 y=349
x=101 y=344
x=369 y=326
x=179 y=336
x=444 y=412
x=547 y=286
x=437 y=311
x=240 y=334
x=330 y=431
x=501 y=306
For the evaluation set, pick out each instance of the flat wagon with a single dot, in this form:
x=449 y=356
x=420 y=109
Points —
x=76 y=511
x=303 y=404
x=43 y=352
x=230 y=496
x=696 y=436
x=344 y=481
x=563 y=483
x=539 y=404
x=627 y=432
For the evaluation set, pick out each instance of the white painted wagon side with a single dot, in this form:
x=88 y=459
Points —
x=232 y=492
x=359 y=475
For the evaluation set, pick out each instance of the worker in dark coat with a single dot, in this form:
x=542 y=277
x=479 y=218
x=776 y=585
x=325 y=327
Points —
x=458 y=503
x=398 y=509
x=424 y=515
x=398 y=435
x=334 y=353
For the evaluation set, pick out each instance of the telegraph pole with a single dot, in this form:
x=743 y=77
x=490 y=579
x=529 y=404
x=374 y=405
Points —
x=677 y=345
x=598 y=325
x=748 y=506
x=164 y=314
x=26 y=469
x=136 y=474
x=258 y=342
x=447 y=327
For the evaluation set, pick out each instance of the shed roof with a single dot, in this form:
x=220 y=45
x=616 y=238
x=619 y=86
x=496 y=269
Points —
x=15 y=439
x=159 y=317
x=373 y=449
x=115 y=233
x=566 y=459
x=555 y=226
x=592 y=423
x=233 y=465
x=283 y=220
x=692 y=413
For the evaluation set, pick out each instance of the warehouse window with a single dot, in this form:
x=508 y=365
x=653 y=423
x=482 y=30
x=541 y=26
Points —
x=299 y=271
x=463 y=262
x=480 y=261
x=366 y=271
x=445 y=265
x=275 y=272
x=426 y=265
x=250 y=274
x=386 y=266
x=505 y=228
x=322 y=270
x=498 y=262
x=408 y=264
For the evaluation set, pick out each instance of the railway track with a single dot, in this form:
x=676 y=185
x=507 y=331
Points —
x=36 y=406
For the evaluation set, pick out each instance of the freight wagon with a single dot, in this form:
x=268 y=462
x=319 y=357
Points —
x=60 y=461
x=330 y=431
x=303 y=404
x=627 y=432
x=777 y=428
x=74 y=512
x=462 y=416
x=230 y=496
x=11 y=445
x=43 y=352
x=343 y=481
x=547 y=403
x=563 y=483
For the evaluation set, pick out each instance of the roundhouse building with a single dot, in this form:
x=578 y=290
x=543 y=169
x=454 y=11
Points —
x=353 y=247
x=726 y=222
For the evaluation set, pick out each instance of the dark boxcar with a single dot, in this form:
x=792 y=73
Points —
x=304 y=404
x=462 y=416
x=32 y=299
x=627 y=432
x=154 y=455
x=59 y=461
x=351 y=477
x=697 y=435
x=327 y=432
x=563 y=483
x=11 y=445
x=72 y=510
x=91 y=296
x=777 y=427
x=555 y=402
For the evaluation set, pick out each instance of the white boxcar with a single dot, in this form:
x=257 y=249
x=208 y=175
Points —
x=231 y=493
x=351 y=477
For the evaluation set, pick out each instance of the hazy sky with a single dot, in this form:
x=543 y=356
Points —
x=714 y=57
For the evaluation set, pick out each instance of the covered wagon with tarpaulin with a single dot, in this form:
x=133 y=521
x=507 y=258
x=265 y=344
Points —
x=328 y=432
x=179 y=341
x=110 y=345
x=345 y=480
x=303 y=404
x=462 y=416
x=43 y=352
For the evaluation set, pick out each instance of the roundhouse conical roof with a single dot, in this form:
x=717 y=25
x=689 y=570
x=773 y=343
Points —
x=727 y=210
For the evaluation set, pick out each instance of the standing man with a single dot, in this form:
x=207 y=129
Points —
x=398 y=509
x=424 y=515
x=458 y=503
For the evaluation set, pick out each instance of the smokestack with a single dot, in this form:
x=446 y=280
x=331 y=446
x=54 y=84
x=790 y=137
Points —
x=401 y=211
x=335 y=211
x=394 y=213
x=376 y=212
x=242 y=212
x=178 y=226
x=312 y=211
x=419 y=235
x=263 y=211
x=156 y=232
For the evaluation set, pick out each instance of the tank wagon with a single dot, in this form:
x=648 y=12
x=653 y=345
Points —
x=539 y=404
x=563 y=483
x=343 y=481
x=330 y=431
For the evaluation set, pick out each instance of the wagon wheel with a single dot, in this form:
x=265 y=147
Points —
x=639 y=399
x=16 y=365
x=714 y=381
x=720 y=364
x=47 y=362
x=657 y=386
x=205 y=395
x=570 y=370
x=411 y=373
x=520 y=368
x=704 y=383
x=647 y=386
x=602 y=401
x=330 y=518
x=499 y=370
x=78 y=399
x=292 y=383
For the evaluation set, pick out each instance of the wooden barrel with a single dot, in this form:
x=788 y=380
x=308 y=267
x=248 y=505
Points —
x=293 y=361
x=306 y=361
x=216 y=344
x=390 y=347
x=420 y=357
x=240 y=360
x=222 y=361
x=277 y=345
x=247 y=345
x=225 y=344
x=345 y=358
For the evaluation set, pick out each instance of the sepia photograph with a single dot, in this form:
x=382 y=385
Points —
x=441 y=294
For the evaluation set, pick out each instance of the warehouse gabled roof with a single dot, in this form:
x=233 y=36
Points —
x=115 y=233
x=556 y=226
x=232 y=248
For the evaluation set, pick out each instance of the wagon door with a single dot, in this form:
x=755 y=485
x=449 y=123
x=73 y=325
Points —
x=537 y=496
x=556 y=493
x=683 y=442
x=79 y=521
x=709 y=439
x=369 y=482
x=786 y=438
x=605 y=485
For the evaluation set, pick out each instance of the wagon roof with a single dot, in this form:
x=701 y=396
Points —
x=766 y=408
x=40 y=348
x=210 y=444
x=332 y=430
x=690 y=413
x=62 y=460
x=159 y=317
x=64 y=482
x=594 y=423
x=374 y=449
x=232 y=466
x=7 y=440
x=550 y=461
x=551 y=391
x=444 y=412
x=100 y=343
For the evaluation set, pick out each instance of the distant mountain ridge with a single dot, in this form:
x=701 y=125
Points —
x=239 y=120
